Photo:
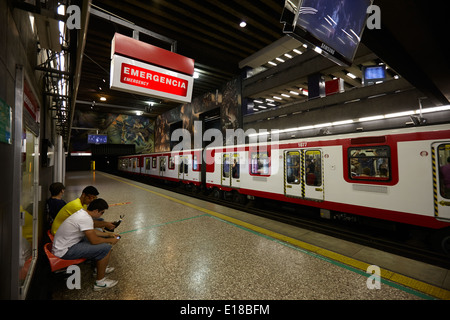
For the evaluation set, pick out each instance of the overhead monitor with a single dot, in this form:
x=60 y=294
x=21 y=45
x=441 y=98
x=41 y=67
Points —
x=97 y=138
x=372 y=74
x=333 y=27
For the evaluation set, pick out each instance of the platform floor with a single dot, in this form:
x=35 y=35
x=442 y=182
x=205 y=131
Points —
x=175 y=247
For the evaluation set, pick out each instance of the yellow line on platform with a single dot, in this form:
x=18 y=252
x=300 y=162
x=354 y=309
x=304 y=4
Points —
x=414 y=284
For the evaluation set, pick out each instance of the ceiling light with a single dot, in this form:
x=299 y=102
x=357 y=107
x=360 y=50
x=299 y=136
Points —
x=399 y=114
x=278 y=98
x=196 y=75
x=139 y=113
x=351 y=75
x=279 y=59
x=337 y=123
x=272 y=63
x=328 y=124
x=371 y=118
x=288 y=55
x=298 y=51
x=318 y=50
x=243 y=24
x=285 y=95
x=293 y=92
x=102 y=99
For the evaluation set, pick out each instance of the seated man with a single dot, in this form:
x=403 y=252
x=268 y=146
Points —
x=55 y=202
x=76 y=238
x=87 y=196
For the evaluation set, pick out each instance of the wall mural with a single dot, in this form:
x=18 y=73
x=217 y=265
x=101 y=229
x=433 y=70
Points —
x=228 y=99
x=120 y=129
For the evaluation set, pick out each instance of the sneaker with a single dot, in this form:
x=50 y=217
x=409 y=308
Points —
x=107 y=271
x=104 y=284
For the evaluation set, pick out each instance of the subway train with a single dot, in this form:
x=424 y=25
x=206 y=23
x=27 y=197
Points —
x=393 y=175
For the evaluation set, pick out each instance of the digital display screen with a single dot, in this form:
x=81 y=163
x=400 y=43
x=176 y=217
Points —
x=375 y=73
x=97 y=138
x=334 y=26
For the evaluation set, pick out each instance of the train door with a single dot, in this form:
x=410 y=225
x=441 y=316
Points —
x=183 y=167
x=313 y=174
x=231 y=170
x=292 y=170
x=162 y=166
x=303 y=174
x=441 y=179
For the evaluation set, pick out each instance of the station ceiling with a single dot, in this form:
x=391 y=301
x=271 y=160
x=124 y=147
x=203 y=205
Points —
x=209 y=32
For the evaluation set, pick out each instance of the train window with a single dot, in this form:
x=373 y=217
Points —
x=226 y=166
x=313 y=168
x=444 y=169
x=260 y=162
x=195 y=163
x=235 y=167
x=293 y=167
x=147 y=163
x=154 y=162
x=171 y=163
x=370 y=163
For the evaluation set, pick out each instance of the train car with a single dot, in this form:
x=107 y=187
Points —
x=130 y=164
x=178 y=166
x=390 y=175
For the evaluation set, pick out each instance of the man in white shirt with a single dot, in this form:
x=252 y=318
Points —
x=76 y=238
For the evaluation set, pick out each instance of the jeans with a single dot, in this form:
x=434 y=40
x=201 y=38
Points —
x=84 y=249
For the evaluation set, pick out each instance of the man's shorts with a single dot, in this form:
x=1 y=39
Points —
x=84 y=249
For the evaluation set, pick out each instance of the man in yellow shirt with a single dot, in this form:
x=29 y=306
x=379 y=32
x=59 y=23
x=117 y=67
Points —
x=88 y=195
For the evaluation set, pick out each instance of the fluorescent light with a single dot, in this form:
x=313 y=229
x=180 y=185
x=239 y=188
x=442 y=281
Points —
x=285 y=95
x=293 y=92
x=258 y=101
x=272 y=63
x=297 y=51
x=370 y=118
x=288 y=55
x=305 y=128
x=242 y=24
x=279 y=59
x=434 y=109
x=278 y=98
x=399 y=114
x=351 y=75
x=338 y=123
x=139 y=113
x=102 y=99
x=196 y=75
x=318 y=50
x=323 y=125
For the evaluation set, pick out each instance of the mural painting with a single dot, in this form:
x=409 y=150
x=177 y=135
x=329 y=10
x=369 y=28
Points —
x=227 y=99
x=120 y=129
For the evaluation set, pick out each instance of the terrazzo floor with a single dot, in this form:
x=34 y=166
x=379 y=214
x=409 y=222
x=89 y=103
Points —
x=172 y=248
